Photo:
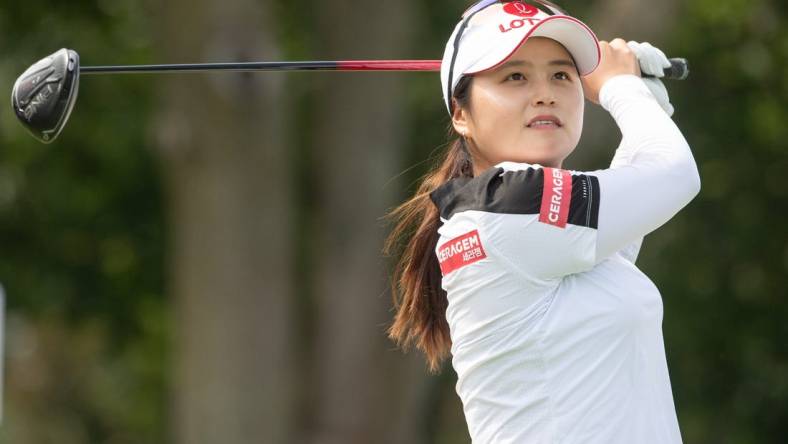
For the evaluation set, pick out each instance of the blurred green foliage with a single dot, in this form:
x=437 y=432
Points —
x=723 y=264
x=83 y=232
x=81 y=238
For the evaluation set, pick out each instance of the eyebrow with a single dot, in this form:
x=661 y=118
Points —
x=562 y=62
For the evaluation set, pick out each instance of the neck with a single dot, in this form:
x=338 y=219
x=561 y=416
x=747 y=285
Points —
x=480 y=166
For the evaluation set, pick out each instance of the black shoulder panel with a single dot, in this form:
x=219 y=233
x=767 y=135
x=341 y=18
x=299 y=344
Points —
x=584 y=206
x=515 y=192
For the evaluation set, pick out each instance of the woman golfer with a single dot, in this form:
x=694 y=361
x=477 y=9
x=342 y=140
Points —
x=524 y=272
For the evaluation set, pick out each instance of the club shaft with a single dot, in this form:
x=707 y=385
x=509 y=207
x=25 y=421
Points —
x=678 y=69
x=345 y=65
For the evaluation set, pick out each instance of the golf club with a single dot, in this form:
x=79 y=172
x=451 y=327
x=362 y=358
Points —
x=44 y=95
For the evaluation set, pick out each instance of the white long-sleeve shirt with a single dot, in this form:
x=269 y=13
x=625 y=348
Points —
x=556 y=334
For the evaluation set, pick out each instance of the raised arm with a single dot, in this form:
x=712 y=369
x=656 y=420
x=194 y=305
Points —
x=654 y=176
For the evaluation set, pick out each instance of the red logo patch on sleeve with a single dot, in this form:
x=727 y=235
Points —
x=460 y=251
x=556 y=197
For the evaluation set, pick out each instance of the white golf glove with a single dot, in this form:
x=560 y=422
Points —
x=653 y=61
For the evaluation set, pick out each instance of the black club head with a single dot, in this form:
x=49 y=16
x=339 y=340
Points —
x=44 y=95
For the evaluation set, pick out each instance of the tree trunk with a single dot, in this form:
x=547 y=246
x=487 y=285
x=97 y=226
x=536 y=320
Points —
x=366 y=391
x=640 y=20
x=222 y=149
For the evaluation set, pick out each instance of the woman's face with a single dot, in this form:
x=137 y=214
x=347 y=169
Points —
x=538 y=79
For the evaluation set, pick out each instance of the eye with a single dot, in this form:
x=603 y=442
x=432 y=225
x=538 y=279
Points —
x=564 y=74
x=512 y=76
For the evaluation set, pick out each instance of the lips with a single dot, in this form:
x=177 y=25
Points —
x=541 y=120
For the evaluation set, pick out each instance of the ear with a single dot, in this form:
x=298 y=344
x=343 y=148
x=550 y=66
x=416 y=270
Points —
x=460 y=118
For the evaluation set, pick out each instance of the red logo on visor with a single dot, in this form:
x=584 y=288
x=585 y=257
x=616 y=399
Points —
x=520 y=9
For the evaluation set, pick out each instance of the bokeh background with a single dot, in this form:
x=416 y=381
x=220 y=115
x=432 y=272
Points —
x=197 y=258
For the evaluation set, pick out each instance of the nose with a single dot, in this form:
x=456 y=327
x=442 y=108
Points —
x=545 y=101
x=543 y=94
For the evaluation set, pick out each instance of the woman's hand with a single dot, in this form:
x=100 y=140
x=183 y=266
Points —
x=617 y=58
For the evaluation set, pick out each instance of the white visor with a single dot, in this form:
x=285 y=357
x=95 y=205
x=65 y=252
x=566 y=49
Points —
x=494 y=33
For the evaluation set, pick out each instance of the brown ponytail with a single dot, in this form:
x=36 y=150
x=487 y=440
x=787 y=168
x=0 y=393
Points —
x=419 y=300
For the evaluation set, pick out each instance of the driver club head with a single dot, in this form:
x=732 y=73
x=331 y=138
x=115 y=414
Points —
x=44 y=95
